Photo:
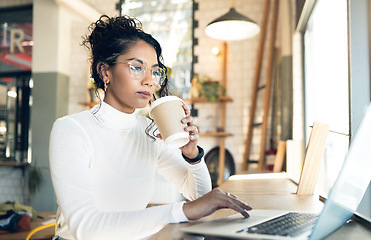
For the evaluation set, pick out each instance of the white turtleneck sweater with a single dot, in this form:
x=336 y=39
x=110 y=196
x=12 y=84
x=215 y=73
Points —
x=103 y=169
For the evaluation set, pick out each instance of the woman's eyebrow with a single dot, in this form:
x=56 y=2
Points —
x=143 y=62
x=129 y=59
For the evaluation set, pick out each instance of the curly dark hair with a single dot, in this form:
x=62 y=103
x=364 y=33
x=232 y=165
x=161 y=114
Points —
x=111 y=37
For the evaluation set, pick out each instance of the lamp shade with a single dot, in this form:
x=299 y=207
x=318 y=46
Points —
x=232 y=26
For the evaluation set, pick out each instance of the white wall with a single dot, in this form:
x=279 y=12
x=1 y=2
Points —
x=60 y=78
x=241 y=61
x=241 y=64
x=58 y=40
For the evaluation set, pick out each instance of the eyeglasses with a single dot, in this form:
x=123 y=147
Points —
x=138 y=70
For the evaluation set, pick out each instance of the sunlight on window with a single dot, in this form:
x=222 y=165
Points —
x=170 y=22
x=326 y=82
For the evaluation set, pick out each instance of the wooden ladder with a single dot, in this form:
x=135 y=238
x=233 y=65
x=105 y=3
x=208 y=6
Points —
x=257 y=88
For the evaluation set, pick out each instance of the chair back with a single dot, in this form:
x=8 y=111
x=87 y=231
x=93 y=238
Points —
x=313 y=158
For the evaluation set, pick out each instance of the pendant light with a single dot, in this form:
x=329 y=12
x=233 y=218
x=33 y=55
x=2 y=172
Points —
x=232 y=26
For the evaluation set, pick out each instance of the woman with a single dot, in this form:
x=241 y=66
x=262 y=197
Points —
x=103 y=161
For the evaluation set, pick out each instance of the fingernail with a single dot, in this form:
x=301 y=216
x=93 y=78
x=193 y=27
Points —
x=244 y=213
x=184 y=120
x=187 y=128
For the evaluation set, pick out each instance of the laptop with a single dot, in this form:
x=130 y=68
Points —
x=342 y=203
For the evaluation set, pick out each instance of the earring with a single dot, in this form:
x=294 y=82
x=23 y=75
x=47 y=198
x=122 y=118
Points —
x=105 y=85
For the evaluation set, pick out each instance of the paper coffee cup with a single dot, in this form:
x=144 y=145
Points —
x=168 y=113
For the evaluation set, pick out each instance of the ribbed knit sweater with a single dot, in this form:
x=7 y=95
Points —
x=103 y=169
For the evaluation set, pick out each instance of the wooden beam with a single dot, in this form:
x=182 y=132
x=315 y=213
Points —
x=268 y=84
x=255 y=86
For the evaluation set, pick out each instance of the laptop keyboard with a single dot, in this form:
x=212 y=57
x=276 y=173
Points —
x=290 y=224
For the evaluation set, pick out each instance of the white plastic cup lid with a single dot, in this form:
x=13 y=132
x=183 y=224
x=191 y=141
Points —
x=163 y=100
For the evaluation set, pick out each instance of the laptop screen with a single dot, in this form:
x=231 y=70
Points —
x=350 y=185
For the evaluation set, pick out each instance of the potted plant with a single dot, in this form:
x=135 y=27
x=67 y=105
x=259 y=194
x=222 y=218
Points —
x=211 y=89
x=34 y=179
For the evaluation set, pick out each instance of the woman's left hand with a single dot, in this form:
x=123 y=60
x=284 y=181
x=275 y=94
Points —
x=190 y=150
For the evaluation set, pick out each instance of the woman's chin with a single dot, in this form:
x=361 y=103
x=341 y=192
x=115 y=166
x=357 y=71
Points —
x=142 y=105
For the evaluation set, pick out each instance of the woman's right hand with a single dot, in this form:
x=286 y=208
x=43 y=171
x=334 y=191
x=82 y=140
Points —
x=212 y=201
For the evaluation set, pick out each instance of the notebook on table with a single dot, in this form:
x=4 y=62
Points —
x=342 y=203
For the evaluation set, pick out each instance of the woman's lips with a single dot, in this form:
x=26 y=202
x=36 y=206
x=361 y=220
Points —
x=144 y=94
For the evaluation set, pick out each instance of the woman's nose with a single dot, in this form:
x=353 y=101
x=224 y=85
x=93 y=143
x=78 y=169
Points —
x=148 y=79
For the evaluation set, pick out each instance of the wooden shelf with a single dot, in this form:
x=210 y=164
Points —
x=204 y=100
x=12 y=164
x=215 y=134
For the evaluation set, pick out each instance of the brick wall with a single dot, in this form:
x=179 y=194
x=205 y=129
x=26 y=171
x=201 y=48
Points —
x=11 y=184
x=79 y=62
x=241 y=64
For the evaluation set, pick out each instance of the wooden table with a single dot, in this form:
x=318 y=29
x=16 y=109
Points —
x=45 y=234
x=275 y=192
x=272 y=183
x=269 y=192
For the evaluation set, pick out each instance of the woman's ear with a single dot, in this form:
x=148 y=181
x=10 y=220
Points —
x=102 y=72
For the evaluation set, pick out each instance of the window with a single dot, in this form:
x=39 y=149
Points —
x=326 y=84
x=170 y=23
x=15 y=83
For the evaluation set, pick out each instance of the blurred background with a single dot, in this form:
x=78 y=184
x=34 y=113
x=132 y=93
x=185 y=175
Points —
x=313 y=55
